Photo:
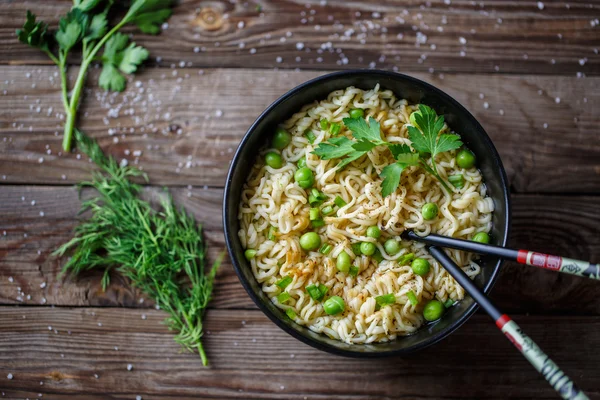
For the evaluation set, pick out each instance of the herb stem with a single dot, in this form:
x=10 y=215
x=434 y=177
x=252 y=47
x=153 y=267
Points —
x=62 y=66
x=72 y=108
x=51 y=56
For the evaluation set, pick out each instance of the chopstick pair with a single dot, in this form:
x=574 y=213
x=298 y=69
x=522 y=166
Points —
x=545 y=261
x=565 y=387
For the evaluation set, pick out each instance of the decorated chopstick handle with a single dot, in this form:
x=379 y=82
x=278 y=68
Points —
x=540 y=361
x=559 y=264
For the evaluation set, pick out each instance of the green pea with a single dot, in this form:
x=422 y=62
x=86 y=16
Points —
x=481 y=237
x=302 y=162
x=420 y=266
x=433 y=310
x=304 y=177
x=373 y=232
x=357 y=113
x=429 y=211
x=334 y=305
x=281 y=139
x=465 y=159
x=343 y=262
x=367 y=248
x=392 y=247
x=310 y=241
x=273 y=160
x=250 y=254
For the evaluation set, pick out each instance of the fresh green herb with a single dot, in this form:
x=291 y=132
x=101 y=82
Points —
x=86 y=26
x=356 y=249
x=368 y=136
x=385 y=300
x=283 y=297
x=406 y=258
x=284 y=282
x=325 y=249
x=290 y=313
x=458 y=181
x=317 y=292
x=424 y=134
x=324 y=124
x=163 y=253
x=354 y=270
x=314 y=214
x=377 y=256
x=339 y=201
x=426 y=139
x=317 y=223
x=412 y=298
x=335 y=128
x=310 y=136
x=327 y=210
x=315 y=197
x=271 y=233
x=449 y=303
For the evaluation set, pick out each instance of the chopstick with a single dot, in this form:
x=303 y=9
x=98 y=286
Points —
x=554 y=263
x=540 y=361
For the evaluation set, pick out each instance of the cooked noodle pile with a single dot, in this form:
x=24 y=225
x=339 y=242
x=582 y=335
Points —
x=271 y=198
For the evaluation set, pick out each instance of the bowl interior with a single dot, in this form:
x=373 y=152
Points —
x=415 y=91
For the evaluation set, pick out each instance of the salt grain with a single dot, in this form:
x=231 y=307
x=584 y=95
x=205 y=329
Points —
x=540 y=5
x=129 y=367
x=218 y=113
x=486 y=105
x=557 y=100
x=9 y=376
x=462 y=40
x=43 y=285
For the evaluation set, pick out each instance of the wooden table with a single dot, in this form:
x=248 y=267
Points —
x=528 y=71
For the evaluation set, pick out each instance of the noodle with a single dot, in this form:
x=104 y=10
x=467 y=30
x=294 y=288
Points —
x=271 y=198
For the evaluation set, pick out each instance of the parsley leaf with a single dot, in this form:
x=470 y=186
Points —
x=71 y=29
x=391 y=178
x=362 y=131
x=368 y=136
x=426 y=138
x=86 y=5
x=335 y=147
x=111 y=79
x=131 y=57
x=118 y=56
x=34 y=34
x=97 y=27
x=149 y=15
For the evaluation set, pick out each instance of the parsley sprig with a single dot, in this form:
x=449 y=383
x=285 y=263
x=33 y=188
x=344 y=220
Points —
x=163 y=253
x=424 y=134
x=86 y=26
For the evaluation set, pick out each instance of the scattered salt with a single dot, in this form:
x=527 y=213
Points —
x=129 y=367
x=9 y=376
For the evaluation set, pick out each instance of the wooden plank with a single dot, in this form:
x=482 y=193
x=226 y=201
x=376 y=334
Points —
x=464 y=36
x=563 y=225
x=187 y=125
x=72 y=352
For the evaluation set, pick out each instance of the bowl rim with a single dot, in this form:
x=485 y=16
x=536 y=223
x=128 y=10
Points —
x=229 y=235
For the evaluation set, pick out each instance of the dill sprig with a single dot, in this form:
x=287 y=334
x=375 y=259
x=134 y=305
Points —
x=163 y=253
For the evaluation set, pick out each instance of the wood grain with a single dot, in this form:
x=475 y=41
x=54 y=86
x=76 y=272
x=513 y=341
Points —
x=563 y=225
x=66 y=349
x=187 y=125
x=505 y=37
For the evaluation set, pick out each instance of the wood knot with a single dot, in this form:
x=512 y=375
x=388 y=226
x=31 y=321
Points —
x=209 y=19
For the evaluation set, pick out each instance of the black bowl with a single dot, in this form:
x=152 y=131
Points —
x=415 y=91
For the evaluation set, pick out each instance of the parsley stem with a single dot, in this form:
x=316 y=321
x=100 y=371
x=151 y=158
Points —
x=87 y=59
x=51 y=56
x=62 y=66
